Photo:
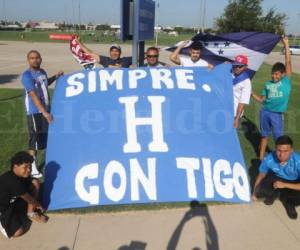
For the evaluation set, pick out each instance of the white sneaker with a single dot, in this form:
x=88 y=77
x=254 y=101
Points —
x=37 y=175
x=34 y=171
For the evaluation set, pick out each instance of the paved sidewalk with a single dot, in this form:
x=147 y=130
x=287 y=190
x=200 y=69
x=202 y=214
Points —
x=56 y=56
x=224 y=227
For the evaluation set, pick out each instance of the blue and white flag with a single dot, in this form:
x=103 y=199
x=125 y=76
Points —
x=220 y=48
x=124 y=136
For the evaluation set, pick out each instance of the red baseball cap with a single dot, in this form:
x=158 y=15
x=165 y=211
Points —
x=240 y=60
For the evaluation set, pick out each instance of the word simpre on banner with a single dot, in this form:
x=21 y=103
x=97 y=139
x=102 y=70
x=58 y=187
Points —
x=144 y=135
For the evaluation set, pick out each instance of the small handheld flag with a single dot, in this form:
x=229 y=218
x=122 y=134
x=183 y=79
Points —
x=84 y=59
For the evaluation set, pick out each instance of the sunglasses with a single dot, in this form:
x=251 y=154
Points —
x=238 y=66
x=152 y=56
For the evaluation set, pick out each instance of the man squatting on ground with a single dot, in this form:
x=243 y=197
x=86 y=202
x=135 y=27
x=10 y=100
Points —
x=19 y=197
x=36 y=82
x=274 y=99
x=279 y=175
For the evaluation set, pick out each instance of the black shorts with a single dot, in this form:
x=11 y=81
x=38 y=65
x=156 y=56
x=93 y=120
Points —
x=14 y=217
x=38 y=131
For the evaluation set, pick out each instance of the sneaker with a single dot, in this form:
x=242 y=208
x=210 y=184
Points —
x=37 y=175
x=290 y=210
x=269 y=200
x=38 y=217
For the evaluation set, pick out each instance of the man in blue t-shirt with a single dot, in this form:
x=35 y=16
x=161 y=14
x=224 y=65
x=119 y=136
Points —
x=36 y=82
x=274 y=99
x=279 y=174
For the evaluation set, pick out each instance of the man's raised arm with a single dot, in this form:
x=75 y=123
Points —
x=88 y=51
x=288 y=60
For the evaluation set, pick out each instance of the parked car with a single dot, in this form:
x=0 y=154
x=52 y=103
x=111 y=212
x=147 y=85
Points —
x=294 y=50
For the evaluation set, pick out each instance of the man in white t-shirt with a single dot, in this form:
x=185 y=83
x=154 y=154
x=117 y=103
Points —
x=195 y=56
x=241 y=87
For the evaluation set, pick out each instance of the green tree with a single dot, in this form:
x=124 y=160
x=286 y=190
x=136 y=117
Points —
x=273 y=22
x=103 y=27
x=247 y=15
x=62 y=26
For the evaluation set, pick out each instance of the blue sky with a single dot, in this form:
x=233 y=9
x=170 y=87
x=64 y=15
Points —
x=170 y=12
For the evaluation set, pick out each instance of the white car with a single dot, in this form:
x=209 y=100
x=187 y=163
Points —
x=294 y=50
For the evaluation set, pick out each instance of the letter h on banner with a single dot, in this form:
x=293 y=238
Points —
x=155 y=121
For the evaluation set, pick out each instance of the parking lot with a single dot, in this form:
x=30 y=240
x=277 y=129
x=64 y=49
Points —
x=56 y=56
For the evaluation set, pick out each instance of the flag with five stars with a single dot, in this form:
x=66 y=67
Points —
x=221 y=48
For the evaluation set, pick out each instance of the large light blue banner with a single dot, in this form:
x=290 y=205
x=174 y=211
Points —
x=144 y=135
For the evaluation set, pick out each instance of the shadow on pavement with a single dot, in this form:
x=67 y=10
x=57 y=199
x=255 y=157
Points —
x=201 y=210
x=7 y=78
x=134 y=245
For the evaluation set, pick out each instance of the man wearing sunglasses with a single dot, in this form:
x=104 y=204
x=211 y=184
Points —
x=241 y=87
x=152 y=58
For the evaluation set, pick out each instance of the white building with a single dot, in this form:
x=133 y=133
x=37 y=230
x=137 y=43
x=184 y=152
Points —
x=173 y=33
x=115 y=26
x=158 y=29
x=90 y=27
x=46 y=26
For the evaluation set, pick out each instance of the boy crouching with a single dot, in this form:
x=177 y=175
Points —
x=18 y=197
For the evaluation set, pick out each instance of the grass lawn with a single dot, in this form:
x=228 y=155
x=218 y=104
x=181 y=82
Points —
x=13 y=127
x=86 y=37
x=100 y=37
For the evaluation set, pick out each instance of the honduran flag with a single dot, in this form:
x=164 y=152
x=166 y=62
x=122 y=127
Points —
x=80 y=56
x=220 y=48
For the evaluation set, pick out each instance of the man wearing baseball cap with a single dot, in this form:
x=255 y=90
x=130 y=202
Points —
x=241 y=87
x=113 y=61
